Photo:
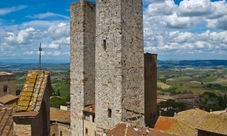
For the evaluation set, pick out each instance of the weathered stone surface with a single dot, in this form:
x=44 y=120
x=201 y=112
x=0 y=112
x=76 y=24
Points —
x=7 y=84
x=82 y=61
x=119 y=63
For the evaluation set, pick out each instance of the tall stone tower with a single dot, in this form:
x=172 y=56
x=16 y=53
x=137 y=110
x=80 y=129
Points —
x=150 y=79
x=82 y=61
x=119 y=63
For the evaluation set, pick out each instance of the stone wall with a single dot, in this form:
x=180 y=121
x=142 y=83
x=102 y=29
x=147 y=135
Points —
x=59 y=129
x=119 y=63
x=82 y=61
x=8 y=81
x=150 y=63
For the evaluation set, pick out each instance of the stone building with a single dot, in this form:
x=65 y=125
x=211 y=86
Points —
x=7 y=84
x=107 y=66
x=32 y=114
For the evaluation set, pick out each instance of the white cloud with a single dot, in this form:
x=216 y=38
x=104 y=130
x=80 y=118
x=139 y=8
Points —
x=175 y=21
x=4 y=11
x=194 y=7
x=47 y=15
x=165 y=8
x=23 y=37
x=29 y=52
x=55 y=53
x=59 y=30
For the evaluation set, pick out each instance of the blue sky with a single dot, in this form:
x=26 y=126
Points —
x=173 y=29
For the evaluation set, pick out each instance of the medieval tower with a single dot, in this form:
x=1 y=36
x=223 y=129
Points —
x=82 y=61
x=119 y=63
x=107 y=66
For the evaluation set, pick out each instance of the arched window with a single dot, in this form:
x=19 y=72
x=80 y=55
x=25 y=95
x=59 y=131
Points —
x=5 y=88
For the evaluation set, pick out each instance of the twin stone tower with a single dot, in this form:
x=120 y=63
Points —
x=107 y=66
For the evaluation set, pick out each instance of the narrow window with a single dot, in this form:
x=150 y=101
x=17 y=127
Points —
x=104 y=44
x=86 y=131
x=5 y=89
x=60 y=133
x=109 y=113
x=53 y=134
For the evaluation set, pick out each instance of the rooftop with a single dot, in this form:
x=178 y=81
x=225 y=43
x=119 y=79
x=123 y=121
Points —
x=214 y=123
x=33 y=90
x=90 y=108
x=187 y=122
x=8 y=98
x=6 y=121
x=124 y=129
x=59 y=115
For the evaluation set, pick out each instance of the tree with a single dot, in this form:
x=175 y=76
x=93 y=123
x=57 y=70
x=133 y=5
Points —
x=57 y=101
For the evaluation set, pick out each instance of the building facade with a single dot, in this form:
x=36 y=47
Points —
x=7 y=84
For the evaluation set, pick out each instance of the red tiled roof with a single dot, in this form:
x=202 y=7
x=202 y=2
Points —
x=7 y=98
x=6 y=121
x=187 y=122
x=164 y=123
x=123 y=129
x=59 y=115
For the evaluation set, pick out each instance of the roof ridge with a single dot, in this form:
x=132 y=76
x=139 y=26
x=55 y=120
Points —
x=37 y=91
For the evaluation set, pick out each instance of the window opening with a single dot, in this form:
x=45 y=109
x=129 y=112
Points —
x=5 y=88
x=109 y=113
x=104 y=44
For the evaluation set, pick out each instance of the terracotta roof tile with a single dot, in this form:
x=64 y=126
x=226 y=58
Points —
x=59 y=115
x=214 y=123
x=8 y=98
x=164 y=123
x=186 y=122
x=32 y=93
x=6 y=121
x=123 y=129
x=90 y=108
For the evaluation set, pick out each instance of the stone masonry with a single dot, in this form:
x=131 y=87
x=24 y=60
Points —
x=82 y=61
x=107 y=64
x=119 y=63
x=7 y=84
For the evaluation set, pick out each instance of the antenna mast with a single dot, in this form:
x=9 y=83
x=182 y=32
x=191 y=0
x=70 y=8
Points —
x=40 y=50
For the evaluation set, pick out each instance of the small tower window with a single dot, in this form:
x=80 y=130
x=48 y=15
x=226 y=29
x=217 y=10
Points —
x=109 y=113
x=104 y=44
x=5 y=88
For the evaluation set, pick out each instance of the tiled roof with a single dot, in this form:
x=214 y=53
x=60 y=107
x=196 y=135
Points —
x=6 y=121
x=183 y=123
x=7 y=98
x=164 y=123
x=123 y=129
x=90 y=109
x=59 y=115
x=214 y=123
x=33 y=90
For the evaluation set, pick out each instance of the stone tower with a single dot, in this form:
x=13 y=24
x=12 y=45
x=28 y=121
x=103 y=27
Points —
x=82 y=61
x=150 y=79
x=119 y=63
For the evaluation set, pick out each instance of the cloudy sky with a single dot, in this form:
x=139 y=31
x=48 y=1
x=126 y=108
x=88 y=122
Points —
x=173 y=29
